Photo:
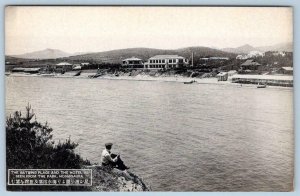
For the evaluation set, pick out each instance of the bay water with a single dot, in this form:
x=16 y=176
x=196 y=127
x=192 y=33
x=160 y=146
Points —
x=177 y=137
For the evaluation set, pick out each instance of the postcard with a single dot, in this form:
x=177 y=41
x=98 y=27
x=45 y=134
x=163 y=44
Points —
x=149 y=98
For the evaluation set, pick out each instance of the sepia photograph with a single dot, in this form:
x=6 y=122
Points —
x=149 y=98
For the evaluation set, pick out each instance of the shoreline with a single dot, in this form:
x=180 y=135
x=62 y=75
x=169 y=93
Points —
x=173 y=79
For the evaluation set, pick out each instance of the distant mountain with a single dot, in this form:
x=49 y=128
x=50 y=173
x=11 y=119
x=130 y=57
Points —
x=116 y=56
x=43 y=54
x=246 y=49
x=287 y=47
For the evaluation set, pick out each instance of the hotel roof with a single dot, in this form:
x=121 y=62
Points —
x=167 y=57
x=64 y=63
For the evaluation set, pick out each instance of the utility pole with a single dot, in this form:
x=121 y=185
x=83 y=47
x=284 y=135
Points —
x=192 y=59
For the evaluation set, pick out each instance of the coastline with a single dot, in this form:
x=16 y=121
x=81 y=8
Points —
x=144 y=77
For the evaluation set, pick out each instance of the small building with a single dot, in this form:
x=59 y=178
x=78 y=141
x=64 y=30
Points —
x=76 y=67
x=286 y=70
x=32 y=70
x=218 y=58
x=132 y=63
x=222 y=76
x=18 y=69
x=26 y=70
x=231 y=73
x=250 y=64
x=63 y=67
x=166 y=62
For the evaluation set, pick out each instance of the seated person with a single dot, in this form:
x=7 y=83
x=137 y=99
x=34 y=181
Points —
x=112 y=160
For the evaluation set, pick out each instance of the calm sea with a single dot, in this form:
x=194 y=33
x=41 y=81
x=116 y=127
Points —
x=199 y=137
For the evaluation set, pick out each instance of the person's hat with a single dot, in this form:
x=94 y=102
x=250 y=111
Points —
x=108 y=144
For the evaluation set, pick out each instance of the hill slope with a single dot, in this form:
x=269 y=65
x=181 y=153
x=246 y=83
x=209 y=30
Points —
x=116 y=56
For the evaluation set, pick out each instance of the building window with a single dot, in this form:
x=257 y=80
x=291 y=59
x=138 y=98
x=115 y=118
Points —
x=170 y=60
x=163 y=61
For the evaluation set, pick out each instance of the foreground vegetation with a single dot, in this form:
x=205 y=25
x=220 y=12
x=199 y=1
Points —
x=29 y=145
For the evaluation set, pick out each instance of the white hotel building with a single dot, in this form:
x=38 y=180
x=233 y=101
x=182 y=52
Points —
x=166 y=62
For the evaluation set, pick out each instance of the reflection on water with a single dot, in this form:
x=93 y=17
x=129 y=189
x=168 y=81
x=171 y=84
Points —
x=177 y=137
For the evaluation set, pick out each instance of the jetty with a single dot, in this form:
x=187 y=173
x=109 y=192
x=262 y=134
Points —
x=270 y=80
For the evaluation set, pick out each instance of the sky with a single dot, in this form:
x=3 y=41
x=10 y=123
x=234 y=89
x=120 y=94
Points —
x=96 y=28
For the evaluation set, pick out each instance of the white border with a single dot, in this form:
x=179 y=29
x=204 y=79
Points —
x=294 y=3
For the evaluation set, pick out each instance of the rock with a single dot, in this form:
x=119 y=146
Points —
x=107 y=179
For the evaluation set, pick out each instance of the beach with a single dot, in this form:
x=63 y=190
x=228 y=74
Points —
x=141 y=77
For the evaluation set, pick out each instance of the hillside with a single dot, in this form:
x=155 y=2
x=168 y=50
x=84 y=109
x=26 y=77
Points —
x=116 y=56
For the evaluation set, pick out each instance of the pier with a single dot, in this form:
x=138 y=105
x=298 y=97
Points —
x=271 y=80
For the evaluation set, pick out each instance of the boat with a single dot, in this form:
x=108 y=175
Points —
x=77 y=73
x=190 y=82
x=96 y=75
x=261 y=86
